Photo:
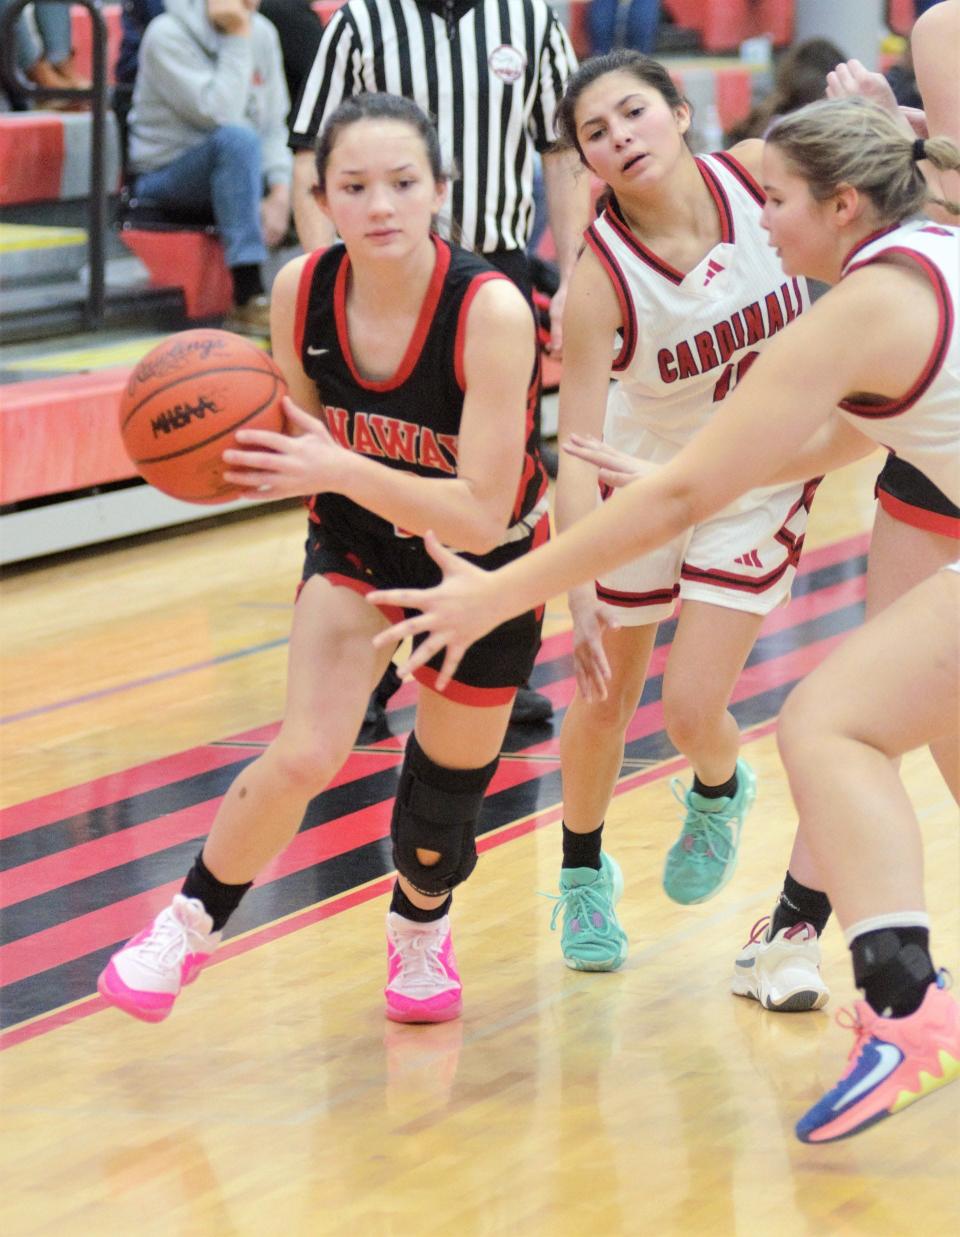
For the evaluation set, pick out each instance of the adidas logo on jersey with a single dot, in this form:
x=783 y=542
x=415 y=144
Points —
x=749 y=560
x=713 y=268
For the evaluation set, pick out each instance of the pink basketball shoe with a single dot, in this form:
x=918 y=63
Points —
x=144 y=978
x=422 y=980
x=894 y=1062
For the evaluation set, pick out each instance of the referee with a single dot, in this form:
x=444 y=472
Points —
x=490 y=73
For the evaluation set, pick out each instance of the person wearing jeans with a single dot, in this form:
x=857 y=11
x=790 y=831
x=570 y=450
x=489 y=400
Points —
x=49 y=62
x=208 y=133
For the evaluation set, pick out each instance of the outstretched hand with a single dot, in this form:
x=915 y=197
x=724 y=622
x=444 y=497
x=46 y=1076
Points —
x=591 y=620
x=614 y=468
x=455 y=614
x=853 y=78
x=272 y=465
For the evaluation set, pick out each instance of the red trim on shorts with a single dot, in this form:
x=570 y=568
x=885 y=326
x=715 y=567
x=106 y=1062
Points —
x=938 y=354
x=628 y=318
x=462 y=693
x=657 y=597
x=919 y=517
x=741 y=584
x=461 y=336
x=393 y=614
x=420 y=332
x=303 y=299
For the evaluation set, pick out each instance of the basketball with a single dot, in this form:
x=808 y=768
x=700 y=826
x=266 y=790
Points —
x=184 y=401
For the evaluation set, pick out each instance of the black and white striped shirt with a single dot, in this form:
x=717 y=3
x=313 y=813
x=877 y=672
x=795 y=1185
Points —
x=490 y=74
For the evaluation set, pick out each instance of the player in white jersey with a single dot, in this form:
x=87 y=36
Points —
x=838 y=174
x=679 y=288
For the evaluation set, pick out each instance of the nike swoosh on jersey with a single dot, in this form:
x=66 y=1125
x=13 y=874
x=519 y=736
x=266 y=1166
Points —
x=888 y=1058
x=311 y=351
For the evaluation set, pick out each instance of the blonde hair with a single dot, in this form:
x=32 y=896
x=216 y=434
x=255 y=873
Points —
x=854 y=142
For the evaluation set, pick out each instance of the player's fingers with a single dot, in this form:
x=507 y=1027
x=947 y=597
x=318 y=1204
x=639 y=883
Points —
x=404 y=598
x=262 y=438
x=445 y=559
x=402 y=630
x=421 y=655
x=249 y=478
x=294 y=413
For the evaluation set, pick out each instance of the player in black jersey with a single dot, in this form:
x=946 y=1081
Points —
x=411 y=367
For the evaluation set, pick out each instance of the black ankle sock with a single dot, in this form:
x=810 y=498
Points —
x=400 y=904
x=893 y=968
x=799 y=904
x=726 y=790
x=582 y=850
x=219 y=900
x=246 y=283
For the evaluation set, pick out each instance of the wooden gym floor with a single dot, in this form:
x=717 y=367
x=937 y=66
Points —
x=276 y=1099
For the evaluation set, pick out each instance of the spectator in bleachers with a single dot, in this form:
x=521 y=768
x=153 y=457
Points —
x=208 y=133
x=46 y=57
x=613 y=23
x=800 y=78
x=297 y=24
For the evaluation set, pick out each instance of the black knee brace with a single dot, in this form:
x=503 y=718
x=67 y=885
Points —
x=436 y=809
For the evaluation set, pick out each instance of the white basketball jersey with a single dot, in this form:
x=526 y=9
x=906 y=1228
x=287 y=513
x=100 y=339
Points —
x=923 y=426
x=687 y=339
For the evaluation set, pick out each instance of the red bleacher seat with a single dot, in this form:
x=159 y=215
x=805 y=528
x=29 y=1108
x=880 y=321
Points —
x=900 y=16
x=191 y=260
x=733 y=91
x=724 y=24
x=31 y=157
x=45 y=156
x=81 y=33
x=57 y=436
x=325 y=9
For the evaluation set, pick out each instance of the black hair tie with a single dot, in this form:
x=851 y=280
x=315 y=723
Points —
x=919 y=150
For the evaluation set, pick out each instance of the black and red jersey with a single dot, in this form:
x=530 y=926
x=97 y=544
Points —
x=410 y=420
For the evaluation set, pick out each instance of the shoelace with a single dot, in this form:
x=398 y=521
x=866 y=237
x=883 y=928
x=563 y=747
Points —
x=759 y=930
x=167 y=944
x=707 y=837
x=862 y=1030
x=862 y=1026
x=579 y=902
x=420 y=959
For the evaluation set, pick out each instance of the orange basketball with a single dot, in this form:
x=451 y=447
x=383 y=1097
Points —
x=183 y=402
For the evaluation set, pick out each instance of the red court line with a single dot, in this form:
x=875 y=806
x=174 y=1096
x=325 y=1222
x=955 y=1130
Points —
x=86 y=933
x=48 y=809
x=38 y=876
x=315 y=914
x=63 y=942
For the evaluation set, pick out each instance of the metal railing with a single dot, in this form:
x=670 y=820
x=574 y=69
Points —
x=16 y=83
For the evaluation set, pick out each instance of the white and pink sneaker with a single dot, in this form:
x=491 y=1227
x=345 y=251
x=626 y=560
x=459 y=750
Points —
x=423 y=984
x=144 y=978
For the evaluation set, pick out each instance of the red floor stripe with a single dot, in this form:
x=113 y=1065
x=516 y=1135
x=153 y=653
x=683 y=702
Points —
x=48 y=809
x=86 y=933
x=315 y=914
x=100 y=854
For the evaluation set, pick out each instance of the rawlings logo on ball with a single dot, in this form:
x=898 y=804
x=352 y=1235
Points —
x=173 y=357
